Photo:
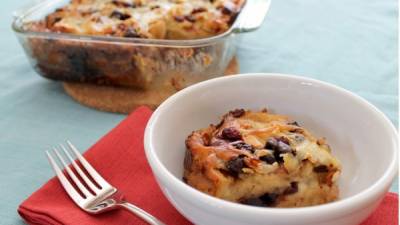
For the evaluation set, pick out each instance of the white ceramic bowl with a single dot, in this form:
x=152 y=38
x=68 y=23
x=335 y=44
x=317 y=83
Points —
x=359 y=134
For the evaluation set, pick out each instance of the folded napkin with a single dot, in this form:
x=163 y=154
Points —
x=119 y=158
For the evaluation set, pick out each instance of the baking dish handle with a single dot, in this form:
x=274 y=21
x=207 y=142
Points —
x=252 y=16
x=26 y=7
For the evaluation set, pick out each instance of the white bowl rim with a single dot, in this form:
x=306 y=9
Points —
x=346 y=204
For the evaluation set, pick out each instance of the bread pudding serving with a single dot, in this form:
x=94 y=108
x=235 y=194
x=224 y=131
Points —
x=135 y=43
x=261 y=159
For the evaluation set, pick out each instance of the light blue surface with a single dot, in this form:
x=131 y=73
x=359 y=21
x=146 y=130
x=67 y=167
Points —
x=350 y=43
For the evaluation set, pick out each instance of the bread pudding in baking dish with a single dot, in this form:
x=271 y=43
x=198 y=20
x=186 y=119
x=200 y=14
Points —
x=136 y=43
x=156 y=19
x=261 y=159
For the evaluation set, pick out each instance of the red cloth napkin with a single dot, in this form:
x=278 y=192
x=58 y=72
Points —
x=119 y=158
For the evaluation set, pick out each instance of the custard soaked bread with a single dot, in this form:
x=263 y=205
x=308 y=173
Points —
x=158 y=19
x=261 y=159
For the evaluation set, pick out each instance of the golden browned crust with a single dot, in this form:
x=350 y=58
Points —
x=157 y=19
x=261 y=159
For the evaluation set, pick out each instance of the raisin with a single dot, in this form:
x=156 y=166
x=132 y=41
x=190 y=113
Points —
x=299 y=138
x=237 y=112
x=294 y=123
x=119 y=15
x=227 y=10
x=198 y=10
x=253 y=202
x=279 y=146
x=321 y=169
x=269 y=198
x=123 y=4
x=269 y=159
x=235 y=166
x=131 y=32
x=57 y=19
x=231 y=134
x=179 y=18
x=243 y=145
x=297 y=130
x=190 y=18
x=283 y=139
x=292 y=189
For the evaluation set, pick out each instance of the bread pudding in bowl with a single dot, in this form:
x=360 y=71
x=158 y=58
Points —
x=261 y=159
x=360 y=137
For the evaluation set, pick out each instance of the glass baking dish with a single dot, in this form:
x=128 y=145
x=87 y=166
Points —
x=136 y=62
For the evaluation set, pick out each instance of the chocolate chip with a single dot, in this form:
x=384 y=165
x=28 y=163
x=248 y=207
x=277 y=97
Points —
x=154 y=7
x=231 y=134
x=294 y=123
x=292 y=189
x=283 y=147
x=235 y=166
x=278 y=157
x=253 y=202
x=269 y=198
x=272 y=143
x=179 y=18
x=243 y=145
x=198 y=10
x=321 y=169
x=190 y=18
x=269 y=159
x=237 y=112
x=131 y=32
x=119 y=15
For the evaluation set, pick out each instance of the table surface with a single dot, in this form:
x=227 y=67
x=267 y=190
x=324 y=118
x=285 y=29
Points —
x=352 y=45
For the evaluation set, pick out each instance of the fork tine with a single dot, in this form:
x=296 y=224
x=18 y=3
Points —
x=78 y=169
x=78 y=183
x=96 y=176
x=64 y=181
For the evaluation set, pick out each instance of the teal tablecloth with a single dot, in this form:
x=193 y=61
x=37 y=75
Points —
x=350 y=43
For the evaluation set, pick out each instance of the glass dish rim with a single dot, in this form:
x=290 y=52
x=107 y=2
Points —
x=17 y=26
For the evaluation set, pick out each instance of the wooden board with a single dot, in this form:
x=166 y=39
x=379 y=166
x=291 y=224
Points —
x=122 y=99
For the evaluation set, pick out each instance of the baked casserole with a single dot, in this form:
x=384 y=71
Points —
x=133 y=62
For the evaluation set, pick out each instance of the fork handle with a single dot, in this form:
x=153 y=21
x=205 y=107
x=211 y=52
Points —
x=141 y=213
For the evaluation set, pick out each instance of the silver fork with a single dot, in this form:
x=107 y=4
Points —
x=95 y=197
